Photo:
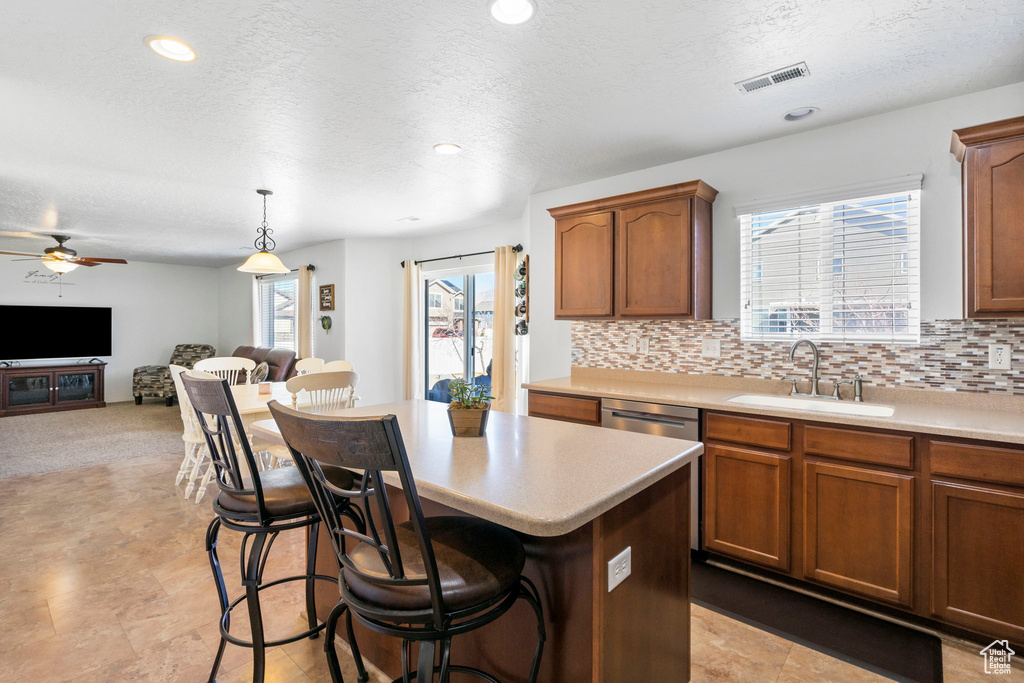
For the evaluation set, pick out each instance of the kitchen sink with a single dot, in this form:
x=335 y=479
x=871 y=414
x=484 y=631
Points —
x=818 y=405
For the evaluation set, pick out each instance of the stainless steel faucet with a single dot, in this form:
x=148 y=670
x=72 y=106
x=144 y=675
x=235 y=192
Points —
x=814 y=370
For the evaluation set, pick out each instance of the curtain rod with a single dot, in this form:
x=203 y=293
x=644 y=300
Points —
x=518 y=248
x=311 y=268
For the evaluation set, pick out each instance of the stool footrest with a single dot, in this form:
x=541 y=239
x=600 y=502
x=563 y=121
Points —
x=275 y=643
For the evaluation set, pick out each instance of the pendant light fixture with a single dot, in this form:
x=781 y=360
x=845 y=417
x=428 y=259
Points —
x=263 y=262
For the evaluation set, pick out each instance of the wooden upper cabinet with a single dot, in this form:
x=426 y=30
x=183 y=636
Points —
x=993 y=184
x=645 y=255
x=584 y=262
x=653 y=258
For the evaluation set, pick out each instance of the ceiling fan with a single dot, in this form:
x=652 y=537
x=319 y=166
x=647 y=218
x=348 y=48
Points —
x=61 y=259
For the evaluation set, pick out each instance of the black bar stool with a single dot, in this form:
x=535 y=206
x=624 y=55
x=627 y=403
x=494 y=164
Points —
x=259 y=505
x=428 y=579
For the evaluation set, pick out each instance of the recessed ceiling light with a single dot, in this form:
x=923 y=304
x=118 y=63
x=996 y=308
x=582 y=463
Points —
x=172 y=48
x=512 y=11
x=447 y=148
x=800 y=114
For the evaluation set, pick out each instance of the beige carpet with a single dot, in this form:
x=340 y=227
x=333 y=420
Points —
x=56 y=441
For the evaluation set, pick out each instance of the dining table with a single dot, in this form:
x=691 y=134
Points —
x=252 y=405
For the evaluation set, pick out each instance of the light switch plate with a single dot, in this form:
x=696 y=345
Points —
x=620 y=567
x=631 y=345
x=711 y=348
x=999 y=356
x=645 y=345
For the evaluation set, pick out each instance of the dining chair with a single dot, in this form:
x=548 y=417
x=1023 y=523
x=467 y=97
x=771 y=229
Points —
x=337 y=366
x=327 y=391
x=195 y=440
x=228 y=367
x=426 y=580
x=307 y=365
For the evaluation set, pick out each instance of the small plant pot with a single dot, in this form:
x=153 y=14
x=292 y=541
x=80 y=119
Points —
x=468 y=421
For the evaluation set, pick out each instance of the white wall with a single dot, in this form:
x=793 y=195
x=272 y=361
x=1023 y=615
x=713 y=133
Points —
x=154 y=307
x=373 y=316
x=236 y=299
x=913 y=140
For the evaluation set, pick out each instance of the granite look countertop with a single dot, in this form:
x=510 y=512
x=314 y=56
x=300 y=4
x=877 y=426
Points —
x=946 y=413
x=536 y=476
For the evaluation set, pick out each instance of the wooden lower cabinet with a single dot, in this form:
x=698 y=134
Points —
x=747 y=495
x=858 y=530
x=978 y=558
x=580 y=409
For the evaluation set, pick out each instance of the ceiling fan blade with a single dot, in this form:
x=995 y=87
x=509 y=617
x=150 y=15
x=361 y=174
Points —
x=85 y=263
x=96 y=261
x=18 y=253
x=34 y=258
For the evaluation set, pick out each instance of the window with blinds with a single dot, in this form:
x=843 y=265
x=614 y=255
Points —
x=846 y=270
x=278 y=311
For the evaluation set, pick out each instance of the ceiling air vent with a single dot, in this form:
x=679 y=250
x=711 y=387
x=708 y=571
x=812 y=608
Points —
x=774 y=77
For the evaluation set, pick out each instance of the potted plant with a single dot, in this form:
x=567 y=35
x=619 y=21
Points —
x=468 y=410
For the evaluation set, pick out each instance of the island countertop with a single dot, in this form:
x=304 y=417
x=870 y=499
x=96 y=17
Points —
x=536 y=476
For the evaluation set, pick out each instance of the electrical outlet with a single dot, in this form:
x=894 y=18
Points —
x=999 y=356
x=631 y=345
x=645 y=345
x=620 y=567
x=711 y=348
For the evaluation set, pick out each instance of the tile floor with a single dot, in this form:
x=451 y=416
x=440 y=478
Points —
x=104 y=579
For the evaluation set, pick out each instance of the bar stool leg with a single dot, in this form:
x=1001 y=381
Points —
x=425 y=663
x=446 y=653
x=363 y=676
x=212 y=533
x=312 y=538
x=253 y=569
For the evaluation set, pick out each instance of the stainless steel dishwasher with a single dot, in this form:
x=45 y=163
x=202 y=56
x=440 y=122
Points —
x=661 y=420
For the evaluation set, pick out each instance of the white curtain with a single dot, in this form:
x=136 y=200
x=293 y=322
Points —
x=503 y=366
x=305 y=313
x=412 y=353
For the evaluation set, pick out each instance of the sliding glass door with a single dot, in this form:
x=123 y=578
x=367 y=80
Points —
x=459 y=331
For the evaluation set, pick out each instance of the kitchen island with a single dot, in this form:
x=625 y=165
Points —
x=578 y=496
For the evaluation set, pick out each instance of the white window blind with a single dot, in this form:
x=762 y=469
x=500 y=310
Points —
x=278 y=311
x=846 y=270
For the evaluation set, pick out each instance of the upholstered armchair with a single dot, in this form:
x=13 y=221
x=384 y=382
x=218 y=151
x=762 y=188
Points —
x=155 y=381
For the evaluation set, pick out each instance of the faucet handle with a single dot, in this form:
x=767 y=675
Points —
x=838 y=383
x=793 y=390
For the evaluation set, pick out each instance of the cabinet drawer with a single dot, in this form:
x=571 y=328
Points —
x=894 y=450
x=981 y=463
x=748 y=430
x=567 y=408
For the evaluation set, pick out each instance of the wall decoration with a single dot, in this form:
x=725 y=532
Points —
x=326 y=297
x=522 y=293
x=325 y=322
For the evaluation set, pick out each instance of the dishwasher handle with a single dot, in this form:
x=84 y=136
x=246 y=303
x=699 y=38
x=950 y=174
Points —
x=648 y=417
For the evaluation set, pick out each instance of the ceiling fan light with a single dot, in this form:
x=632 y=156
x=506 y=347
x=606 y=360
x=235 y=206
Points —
x=263 y=263
x=60 y=266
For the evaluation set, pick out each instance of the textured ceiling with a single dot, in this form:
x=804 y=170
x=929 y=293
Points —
x=335 y=105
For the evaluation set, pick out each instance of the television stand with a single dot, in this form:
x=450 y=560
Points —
x=47 y=388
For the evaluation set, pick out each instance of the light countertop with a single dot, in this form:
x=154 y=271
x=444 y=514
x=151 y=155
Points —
x=536 y=476
x=993 y=418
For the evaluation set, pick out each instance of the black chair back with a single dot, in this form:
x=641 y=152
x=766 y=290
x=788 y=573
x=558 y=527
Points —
x=374 y=445
x=226 y=439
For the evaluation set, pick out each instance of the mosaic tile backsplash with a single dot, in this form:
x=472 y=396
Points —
x=952 y=355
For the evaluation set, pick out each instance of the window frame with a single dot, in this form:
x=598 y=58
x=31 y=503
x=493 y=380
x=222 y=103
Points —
x=832 y=225
x=260 y=328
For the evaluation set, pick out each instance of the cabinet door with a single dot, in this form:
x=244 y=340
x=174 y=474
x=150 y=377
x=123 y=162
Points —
x=584 y=266
x=858 y=530
x=29 y=391
x=994 y=177
x=978 y=558
x=746 y=505
x=654 y=259
x=74 y=387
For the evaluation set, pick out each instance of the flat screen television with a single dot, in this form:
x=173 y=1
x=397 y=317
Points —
x=38 y=332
